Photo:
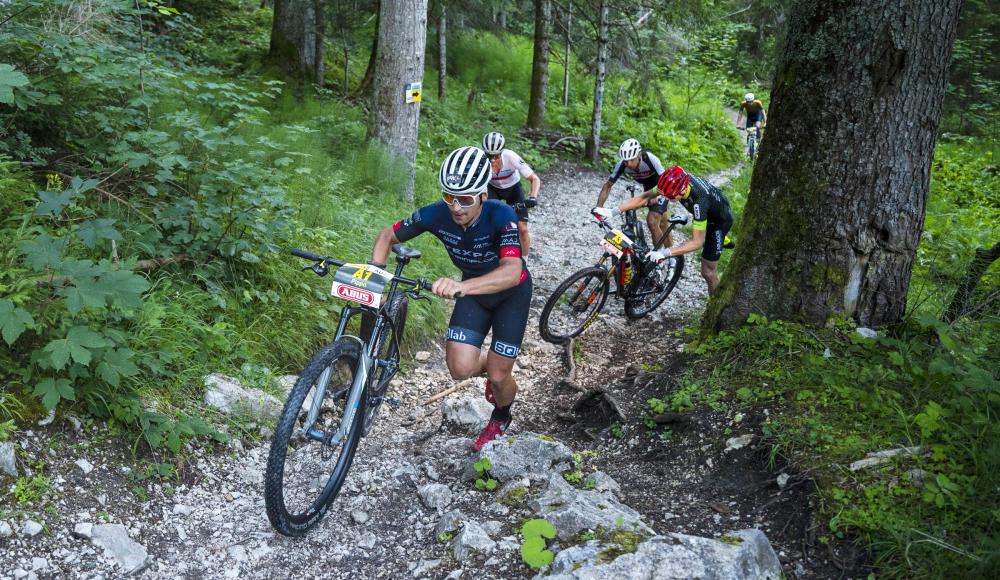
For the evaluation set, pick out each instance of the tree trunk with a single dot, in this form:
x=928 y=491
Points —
x=981 y=262
x=839 y=189
x=593 y=152
x=366 y=81
x=540 y=64
x=394 y=122
x=569 y=27
x=293 y=38
x=320 y=65
x=442 y=50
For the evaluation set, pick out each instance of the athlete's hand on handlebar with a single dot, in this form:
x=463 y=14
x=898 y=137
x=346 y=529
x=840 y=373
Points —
x=656 y=256
x=530 y=202
x=602 y=213
x=448 y=288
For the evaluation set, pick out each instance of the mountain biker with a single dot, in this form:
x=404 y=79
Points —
x=505 y=183
x=495 y=291
x=645 y=168
x=709 y=208
x=754 y=113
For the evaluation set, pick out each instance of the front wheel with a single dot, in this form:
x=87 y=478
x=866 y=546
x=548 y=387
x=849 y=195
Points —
x=752 y=148
x=308 y=462
x=574 y=305
x=654 y=287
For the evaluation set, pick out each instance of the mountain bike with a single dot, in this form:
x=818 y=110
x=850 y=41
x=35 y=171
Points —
x=579 y=299
x=334 y=402
x=753 y=140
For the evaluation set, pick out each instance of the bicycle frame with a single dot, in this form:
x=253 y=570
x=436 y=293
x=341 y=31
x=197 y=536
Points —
x=365 y=363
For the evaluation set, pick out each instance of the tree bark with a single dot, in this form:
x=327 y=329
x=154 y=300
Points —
x=293 y=38
x=569 y=27
x=540 y=64
x=981 y=262
x=593 y=151
x=442 y=50
x=401 y=41
x=839 y=189
x=320 y=65
x=366 y=82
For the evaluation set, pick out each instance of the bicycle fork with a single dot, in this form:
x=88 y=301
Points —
x=351 y=406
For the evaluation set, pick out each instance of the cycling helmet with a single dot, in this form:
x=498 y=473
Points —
x=465 y=171
x=748 y=97
x=673 y=182
x=493 y=143
x=630 y=149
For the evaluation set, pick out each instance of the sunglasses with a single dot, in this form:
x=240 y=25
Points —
x=461 y=200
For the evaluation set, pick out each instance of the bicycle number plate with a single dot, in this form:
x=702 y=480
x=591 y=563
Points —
x=361 y=283
x=616 y=242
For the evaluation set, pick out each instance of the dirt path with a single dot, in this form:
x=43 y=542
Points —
x=212 y=525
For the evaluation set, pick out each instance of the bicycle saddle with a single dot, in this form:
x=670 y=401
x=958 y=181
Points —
x=404 y=252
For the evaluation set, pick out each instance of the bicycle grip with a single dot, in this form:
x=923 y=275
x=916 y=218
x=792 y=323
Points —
x=307 y=255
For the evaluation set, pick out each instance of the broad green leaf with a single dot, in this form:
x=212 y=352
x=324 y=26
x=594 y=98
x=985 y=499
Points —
x=54 y=202
x=42 y=252
x=91 y=231
x=13 y=321
x=54 y=390
x=115 y=364
x=9 y=80
x=538 y=527
x=76 y=344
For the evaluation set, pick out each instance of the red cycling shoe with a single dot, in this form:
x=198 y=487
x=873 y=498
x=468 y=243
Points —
x=494 y=430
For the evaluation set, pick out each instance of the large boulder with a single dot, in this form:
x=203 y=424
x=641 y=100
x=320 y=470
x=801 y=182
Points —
x=130 y=556
x=467 y=413
x=472 y=539
x=523 y=455
x=230 y=397
x=745 y=554
x=8 y=461
x=572 y=510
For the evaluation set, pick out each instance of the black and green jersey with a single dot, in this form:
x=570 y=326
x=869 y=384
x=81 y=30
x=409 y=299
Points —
x=707 y=204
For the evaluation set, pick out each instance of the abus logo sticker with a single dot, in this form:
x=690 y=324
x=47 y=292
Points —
x=356 y=295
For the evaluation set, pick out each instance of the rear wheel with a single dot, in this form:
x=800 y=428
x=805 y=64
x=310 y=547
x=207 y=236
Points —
x=304 y=475
x=654 y=287
x=574 y=305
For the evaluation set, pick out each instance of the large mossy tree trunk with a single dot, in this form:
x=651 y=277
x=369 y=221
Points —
x=293 y=38
x=839 y=190
x=540 y=64
x=593 y=151
x=400 y=61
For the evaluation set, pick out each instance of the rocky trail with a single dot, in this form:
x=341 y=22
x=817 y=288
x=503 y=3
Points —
x=694 y=500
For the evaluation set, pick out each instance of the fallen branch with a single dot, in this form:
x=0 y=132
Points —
x=449 y=391
x=570 y=379
x=154 y=263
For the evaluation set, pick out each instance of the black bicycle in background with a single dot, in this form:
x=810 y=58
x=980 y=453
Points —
x=575 y=304
x=334 y=402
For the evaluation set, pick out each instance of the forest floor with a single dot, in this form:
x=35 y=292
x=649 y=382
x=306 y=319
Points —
x=211 y=522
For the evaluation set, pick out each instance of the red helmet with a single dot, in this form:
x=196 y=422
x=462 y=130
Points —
x=673 y=182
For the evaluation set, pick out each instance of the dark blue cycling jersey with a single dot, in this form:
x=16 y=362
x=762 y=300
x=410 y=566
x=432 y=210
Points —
x=475 y=250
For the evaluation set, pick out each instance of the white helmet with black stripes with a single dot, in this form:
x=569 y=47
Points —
x=493 y=143
x=630 y=149
x=465 y=171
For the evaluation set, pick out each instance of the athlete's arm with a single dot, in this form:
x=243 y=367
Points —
x=507 y=275
x=536 y=184
x=696 y=242
x=639 y=201
x=383 y=245
x=605 y=190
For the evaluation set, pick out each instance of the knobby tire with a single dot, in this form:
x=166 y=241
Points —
x=594 y=306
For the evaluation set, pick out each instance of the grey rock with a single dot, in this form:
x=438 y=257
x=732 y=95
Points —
x=571 y=510
x=48 y=418
x=514 y=492
x=8 y=462
x=39 y=564
x=286 y=382
x=576 y=557
x=782 y=480
x=6 y=530
x=435 y=495
x=130 y=556
x=468 y=413
x=20 y=573
x=450 y=522
x=422 y=356
x=227 y=395
x=745 y=554
x=31 y=528
x=877 y=458
x=600 y=481
x=182 y=510
x=85 y=466
x=492 y=527
x=368 y=541
x=866 y=332
x=404 y=473
x=83 y=530
x=424 y=567
x=359 y=516
x=734 y=443
x=522 y=455
x=472 y=539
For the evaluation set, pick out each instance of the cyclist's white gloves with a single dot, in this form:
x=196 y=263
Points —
x=657 y=256
x=605 y=213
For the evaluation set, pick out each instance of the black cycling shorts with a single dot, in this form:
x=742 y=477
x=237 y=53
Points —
x=511 y=195
x=505 y=312
x=715 y=236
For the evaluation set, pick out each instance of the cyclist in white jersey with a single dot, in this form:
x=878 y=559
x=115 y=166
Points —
x=505 y=183
x=644 y=168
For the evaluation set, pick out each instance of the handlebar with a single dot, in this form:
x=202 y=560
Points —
x=323 y=263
